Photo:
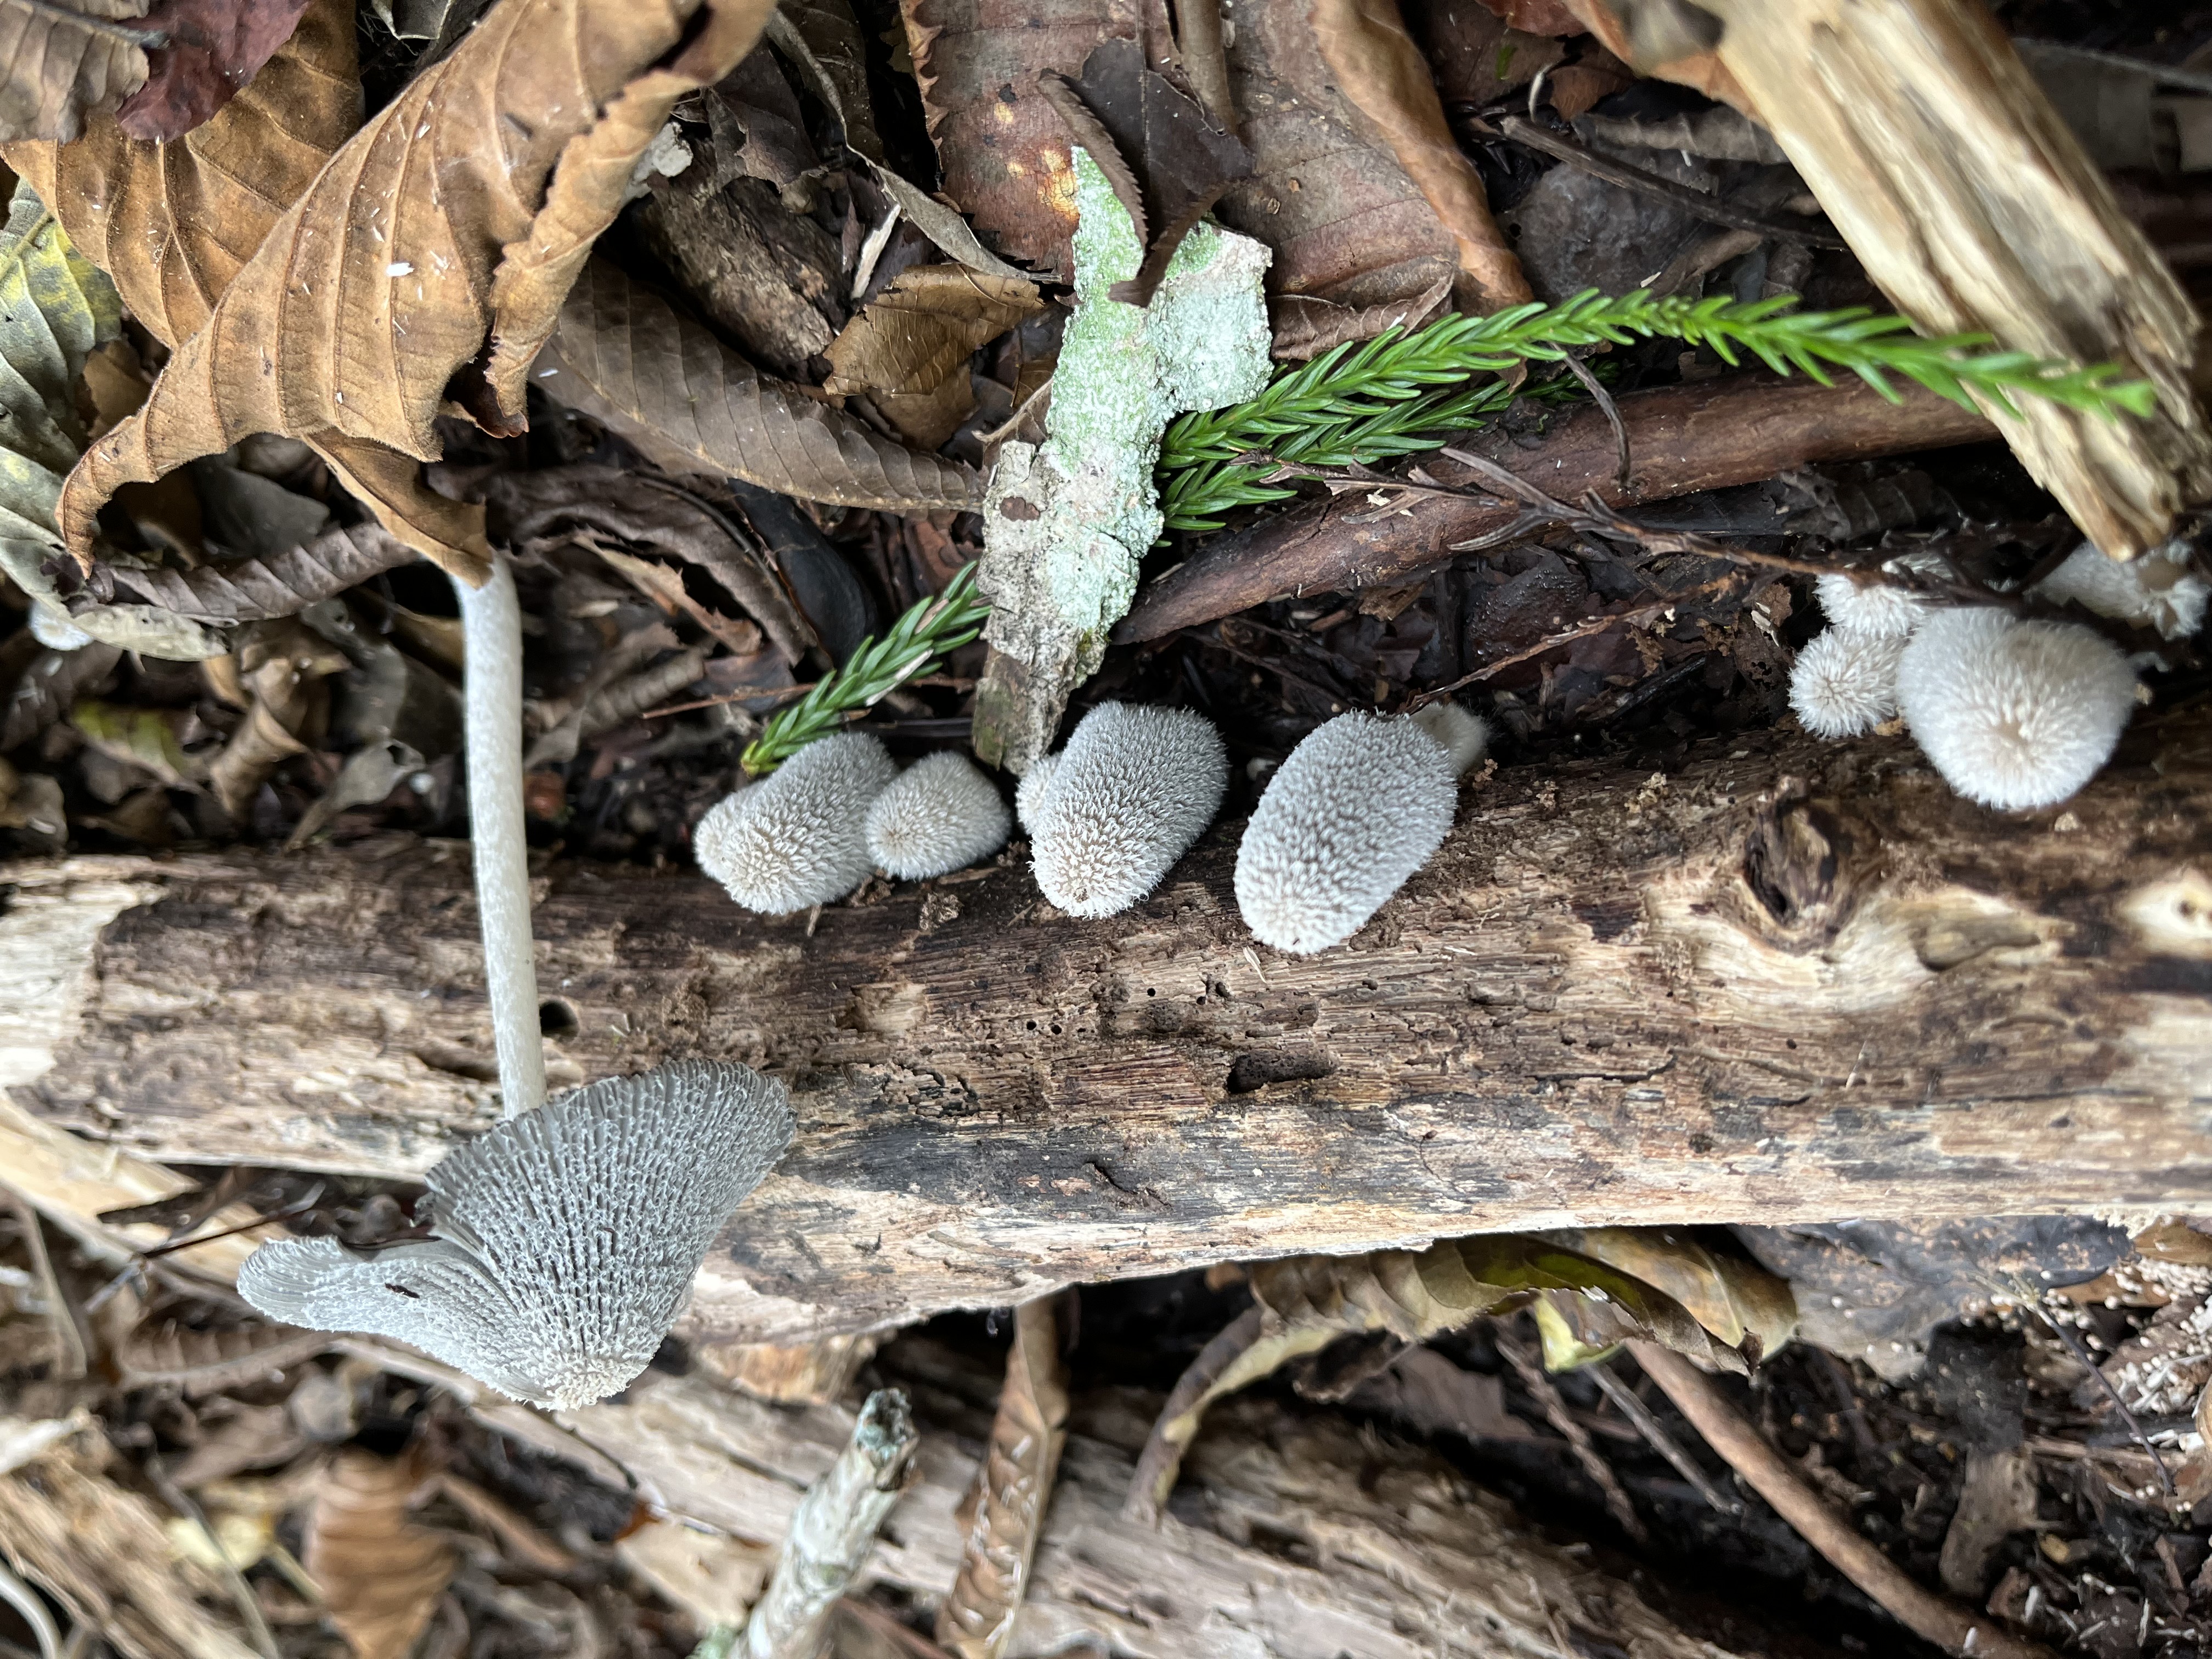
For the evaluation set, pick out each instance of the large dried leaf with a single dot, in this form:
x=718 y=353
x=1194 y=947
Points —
x=430 y=258
x=1004 y=1511
x=173 y=223
x=626 y=357
x=380 y=1574
x=1347 y=224
x=1383 y=74
x=909 y=349
x=66 y=59
x=1307 y=1303
x=1003 y=148
x=253 y=590
x=214 y=48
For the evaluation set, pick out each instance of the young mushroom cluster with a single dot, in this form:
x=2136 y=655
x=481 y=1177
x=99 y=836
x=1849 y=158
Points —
x=2014 y=712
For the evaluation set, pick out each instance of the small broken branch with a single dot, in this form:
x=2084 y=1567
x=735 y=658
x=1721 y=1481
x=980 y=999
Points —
x=1928 y=1615
x=832 y=1533
x=1704 y=435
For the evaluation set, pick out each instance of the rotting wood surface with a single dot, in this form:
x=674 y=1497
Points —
x=1783 y=982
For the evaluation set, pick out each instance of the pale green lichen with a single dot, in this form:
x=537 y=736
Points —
x=1066 y=521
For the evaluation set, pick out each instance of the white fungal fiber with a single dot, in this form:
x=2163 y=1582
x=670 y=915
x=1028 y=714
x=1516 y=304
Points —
x=1845 y=683
x=1134 y=787
x=940 y=815
x=2013 y=713
x=2159 y=590
x=1360 y=806
x=1877 y=608
x=1464 y=734
x=799 y=837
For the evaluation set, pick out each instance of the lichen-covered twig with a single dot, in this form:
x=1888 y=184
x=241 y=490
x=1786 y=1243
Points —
x=832 y=1532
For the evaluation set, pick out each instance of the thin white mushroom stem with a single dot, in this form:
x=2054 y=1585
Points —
x=491 y=632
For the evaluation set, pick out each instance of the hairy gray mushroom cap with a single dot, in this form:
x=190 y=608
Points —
x=2159 y=590
x=1874 y=607
x=1464 y=734
x=1843 y=684
x=2013 y=713
x=798 y=837
x=567 y=1238
x=1359 y=806
x=940 y=815
x=1134 y=787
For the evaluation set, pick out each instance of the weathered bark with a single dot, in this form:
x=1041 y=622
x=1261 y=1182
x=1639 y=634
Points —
x=1786 y=981
x=1972 y=206
x=1706 y=435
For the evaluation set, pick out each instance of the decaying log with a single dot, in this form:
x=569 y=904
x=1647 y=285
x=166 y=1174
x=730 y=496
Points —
x=1705 y=434
x=1786 y=980
x=1972 y=206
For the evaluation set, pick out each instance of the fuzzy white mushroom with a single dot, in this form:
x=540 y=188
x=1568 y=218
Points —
x=1028 y=794
x=2159 y=590
x=1843 y=684
x=1878 y=609
x=2013 y=713
x=1359 y=806
x=1464 y=734
x=1134 y=787
x=940 y=815
x=798 y=837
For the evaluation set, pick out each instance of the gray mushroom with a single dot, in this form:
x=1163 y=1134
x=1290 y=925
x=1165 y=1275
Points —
x=567 y=1235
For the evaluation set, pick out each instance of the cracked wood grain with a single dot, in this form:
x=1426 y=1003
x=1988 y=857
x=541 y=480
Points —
x=1785 y=982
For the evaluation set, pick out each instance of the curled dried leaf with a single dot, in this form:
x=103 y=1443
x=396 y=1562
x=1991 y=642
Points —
x=203 y=1362
x=1004 y=1511
x=213 y=47
x=253 y=590
x=627 y=358
x=380 y=1574
x=428 y=259
x=909 y=349
x=1306 y=1303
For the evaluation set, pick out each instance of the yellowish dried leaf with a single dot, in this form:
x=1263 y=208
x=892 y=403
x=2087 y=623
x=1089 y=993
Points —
x=381 y=1574
x=910 y=349
x=427 y=261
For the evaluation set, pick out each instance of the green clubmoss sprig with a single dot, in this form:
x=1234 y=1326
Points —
x=1400 y=394
x=916 y=645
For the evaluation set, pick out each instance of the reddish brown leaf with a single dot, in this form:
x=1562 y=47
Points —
x=1383 y=72
x=215 y=47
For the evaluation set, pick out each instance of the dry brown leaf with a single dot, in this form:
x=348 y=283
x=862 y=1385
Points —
x=1671 y=39
x=65 y=60
x=430 y=258
x=254 y=590
x=171 y=223
x=214 y=47
x=909 y=349
x=1383 y=72
x=381 y=1575
x=1004 y=1511
x=626 y=357
x=282 y=666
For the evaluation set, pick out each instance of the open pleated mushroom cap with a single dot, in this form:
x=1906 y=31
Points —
x=567 y=1238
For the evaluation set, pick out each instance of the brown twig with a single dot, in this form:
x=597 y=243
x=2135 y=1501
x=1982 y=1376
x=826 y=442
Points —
x=1933 y=1617
x=1523 y=131
x=1522 y=1357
